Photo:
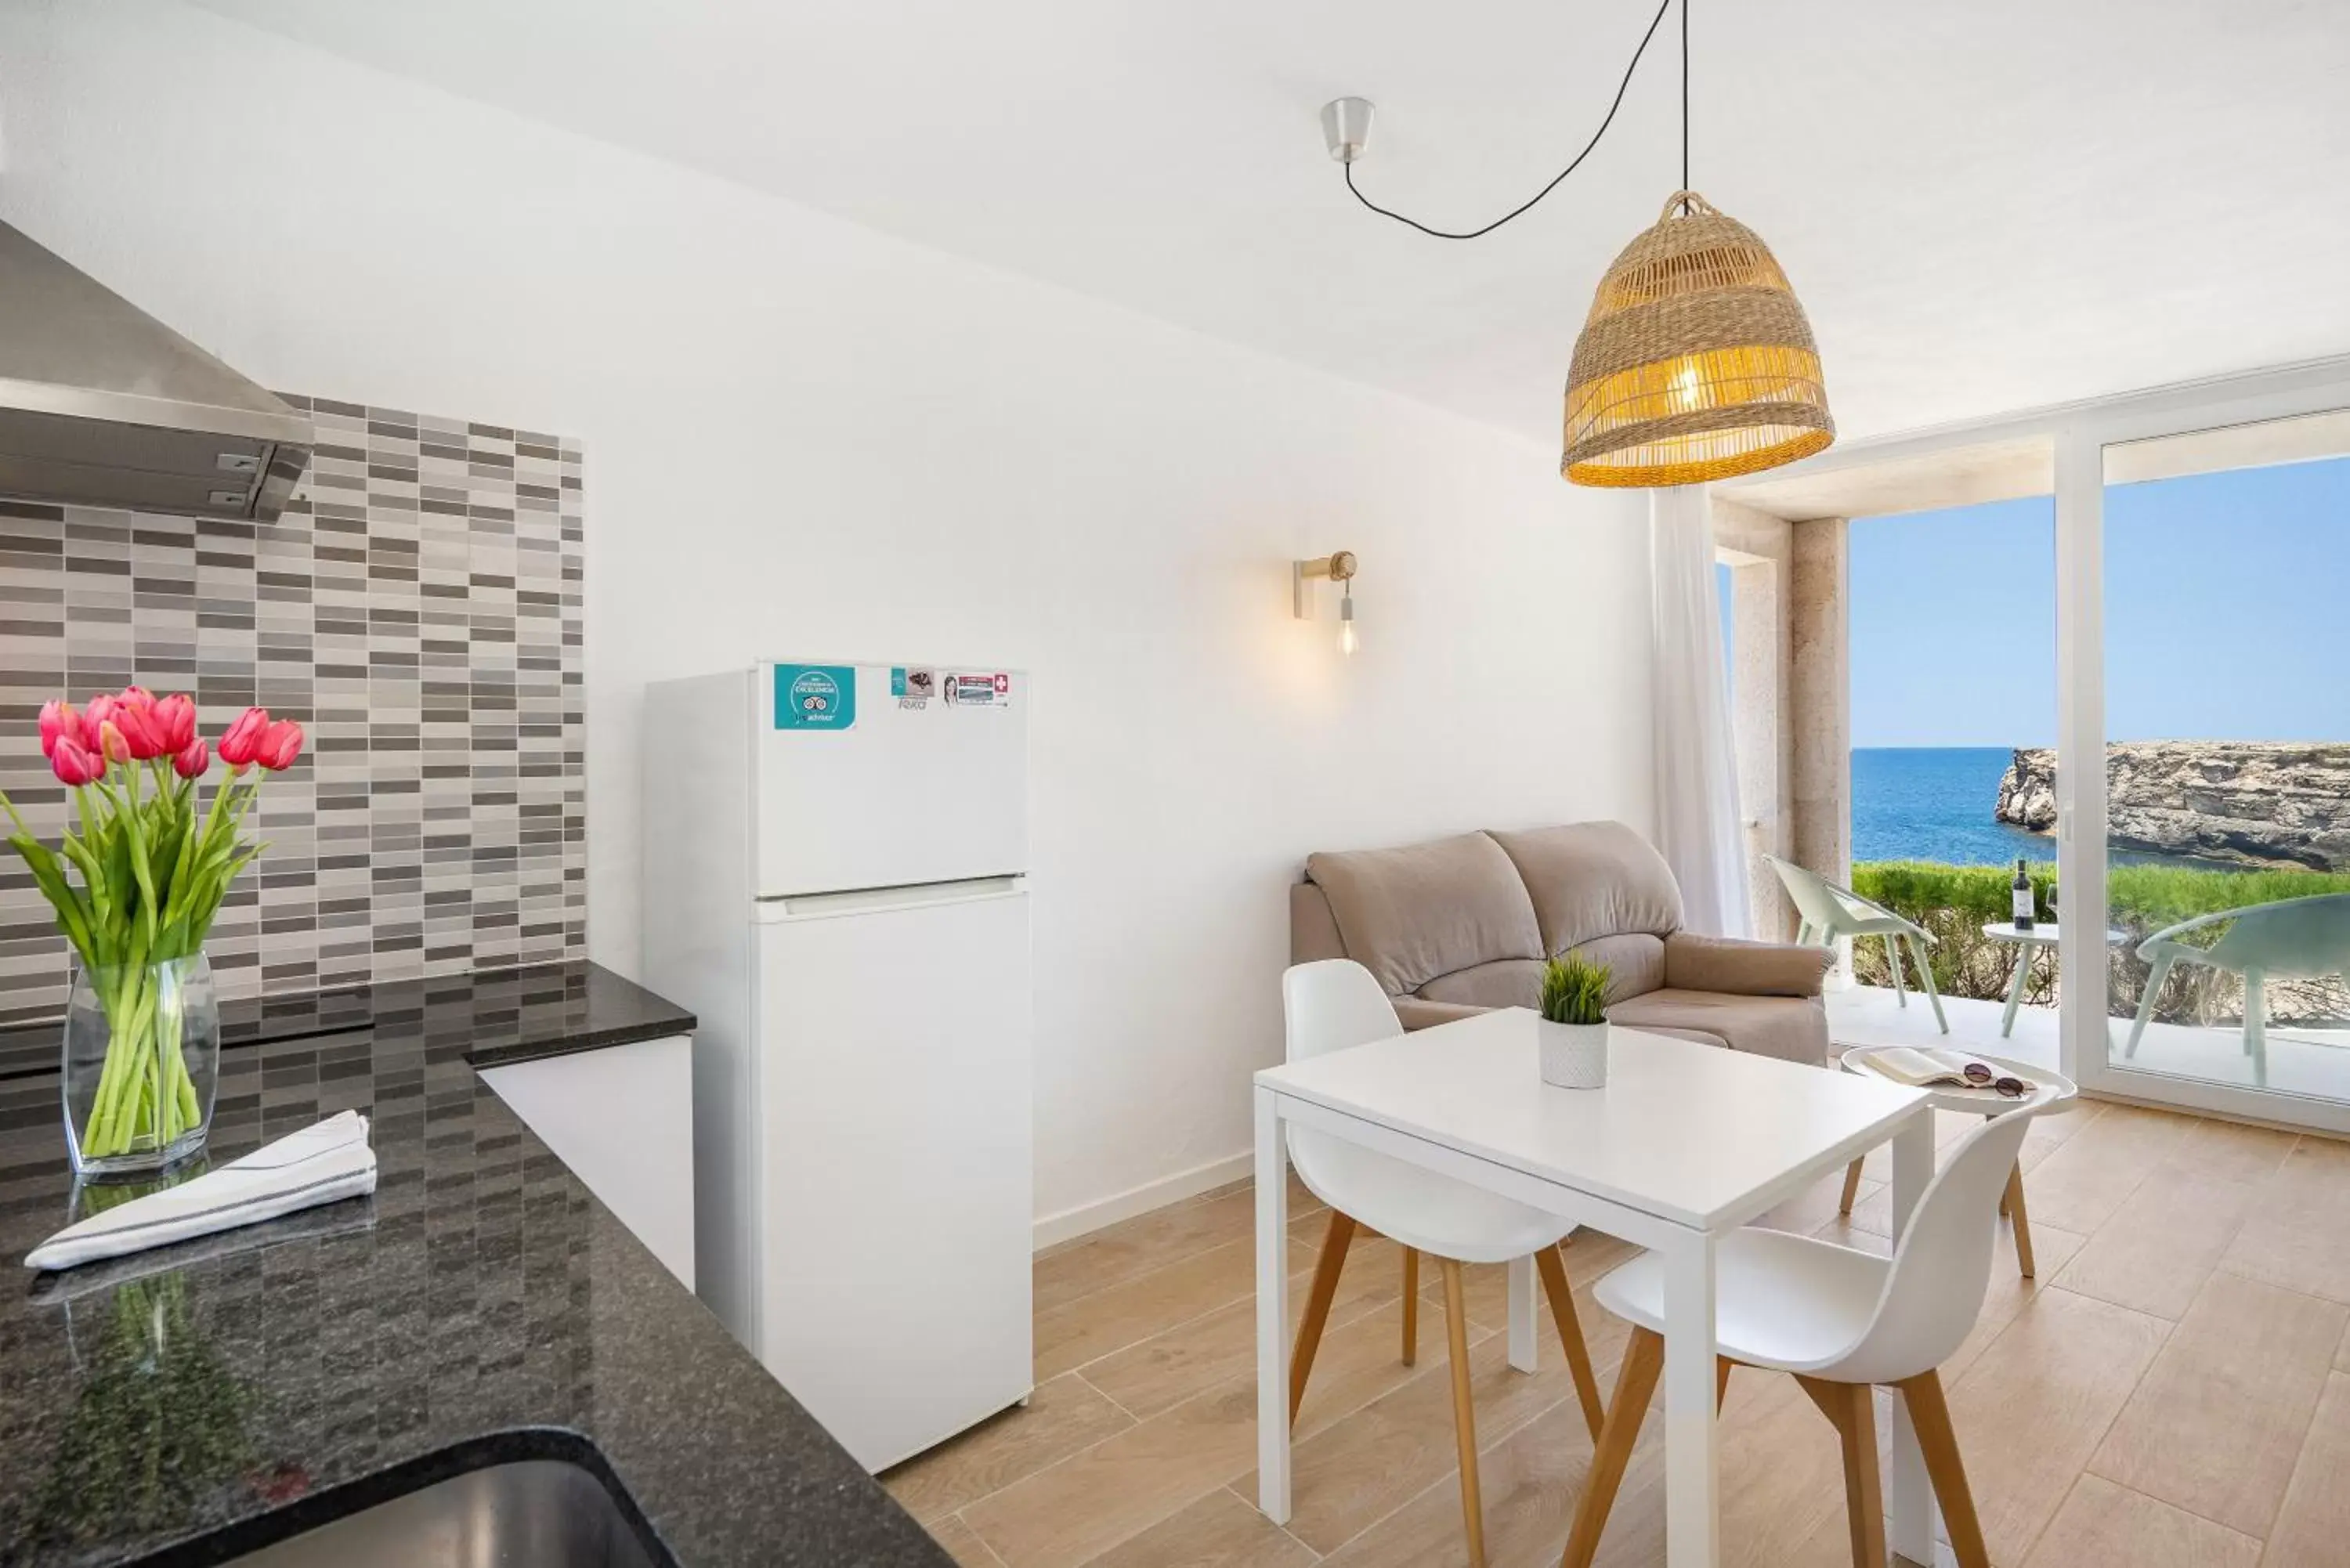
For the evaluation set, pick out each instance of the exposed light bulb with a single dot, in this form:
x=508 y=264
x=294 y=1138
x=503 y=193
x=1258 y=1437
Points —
x=1687 y=387
x=1347 y=641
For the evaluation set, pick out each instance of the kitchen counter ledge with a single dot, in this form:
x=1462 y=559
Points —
x=483 y=1304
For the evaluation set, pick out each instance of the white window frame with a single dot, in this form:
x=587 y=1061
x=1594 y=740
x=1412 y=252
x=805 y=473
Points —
x=2079 y=434
x=2085 y=1027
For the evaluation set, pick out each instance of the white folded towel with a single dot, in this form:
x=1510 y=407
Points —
x=317 y=1164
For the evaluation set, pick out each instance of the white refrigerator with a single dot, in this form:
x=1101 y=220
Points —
x=834 y=860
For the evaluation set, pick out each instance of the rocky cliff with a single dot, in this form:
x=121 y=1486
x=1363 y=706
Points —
x=2256 y=802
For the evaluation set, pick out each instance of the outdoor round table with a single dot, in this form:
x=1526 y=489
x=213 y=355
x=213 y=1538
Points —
x=2041 y=936
x=2051 y=1093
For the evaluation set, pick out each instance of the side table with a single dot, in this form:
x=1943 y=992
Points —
x=2051 y=1093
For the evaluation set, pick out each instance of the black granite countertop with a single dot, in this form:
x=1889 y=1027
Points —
x=193 y=1402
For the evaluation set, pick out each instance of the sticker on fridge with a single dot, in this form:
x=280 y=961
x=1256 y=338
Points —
x=816 y=696
x=914 y=686
x=983 y=689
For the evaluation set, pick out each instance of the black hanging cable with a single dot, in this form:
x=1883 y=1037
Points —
x=1621 y=87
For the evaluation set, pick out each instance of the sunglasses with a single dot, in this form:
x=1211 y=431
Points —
x=1980 y=1076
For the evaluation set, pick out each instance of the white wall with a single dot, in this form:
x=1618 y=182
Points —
x=807 y=439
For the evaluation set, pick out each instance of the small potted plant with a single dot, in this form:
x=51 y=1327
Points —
x=1574 y=1027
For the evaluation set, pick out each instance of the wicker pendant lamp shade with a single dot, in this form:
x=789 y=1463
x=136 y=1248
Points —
x=1696 y=361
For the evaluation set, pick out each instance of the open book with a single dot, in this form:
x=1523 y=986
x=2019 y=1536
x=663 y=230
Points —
x=1936 y=1069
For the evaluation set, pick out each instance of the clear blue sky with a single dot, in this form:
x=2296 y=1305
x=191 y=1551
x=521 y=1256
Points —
x=2227 y=615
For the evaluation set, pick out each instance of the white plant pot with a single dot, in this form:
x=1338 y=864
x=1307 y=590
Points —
x=1573 y=1056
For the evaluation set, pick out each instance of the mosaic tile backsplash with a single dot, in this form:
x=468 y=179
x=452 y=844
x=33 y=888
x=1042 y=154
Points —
x=418 y=607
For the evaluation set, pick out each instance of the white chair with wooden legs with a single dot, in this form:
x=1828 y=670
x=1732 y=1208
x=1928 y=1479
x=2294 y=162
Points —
x=1331 y=1005
x=1841 y=1321
x=1825 y=912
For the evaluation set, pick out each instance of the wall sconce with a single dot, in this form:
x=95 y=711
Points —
x=1339 y=568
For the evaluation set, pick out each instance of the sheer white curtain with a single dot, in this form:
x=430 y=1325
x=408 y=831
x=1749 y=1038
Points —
x=1698 y=826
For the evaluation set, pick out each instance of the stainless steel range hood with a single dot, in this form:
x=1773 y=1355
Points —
x=102 y=405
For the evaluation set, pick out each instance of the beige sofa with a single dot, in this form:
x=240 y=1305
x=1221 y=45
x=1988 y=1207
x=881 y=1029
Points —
x=1463 y=925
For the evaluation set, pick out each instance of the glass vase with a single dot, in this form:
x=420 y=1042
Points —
x=142 y=1061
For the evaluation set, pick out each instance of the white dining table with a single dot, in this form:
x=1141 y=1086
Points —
x=1685 y=1144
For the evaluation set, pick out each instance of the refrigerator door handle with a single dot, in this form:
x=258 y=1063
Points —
x=780 y=907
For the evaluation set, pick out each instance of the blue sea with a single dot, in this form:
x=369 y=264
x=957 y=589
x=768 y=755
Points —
x=1934 y=803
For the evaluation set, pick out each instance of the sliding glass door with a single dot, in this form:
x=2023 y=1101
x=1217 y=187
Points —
x=2205 y=845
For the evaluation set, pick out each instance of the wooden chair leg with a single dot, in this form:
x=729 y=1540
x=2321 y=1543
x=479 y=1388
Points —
x=1851 y=1410
x=1411 y=1307
x=1851 y=1188
x=2013 y=1204
x=1929 y=1413
x=1644 y=1360
x=1335 y=1243
x=1570 y=1337
x=1464 y=1413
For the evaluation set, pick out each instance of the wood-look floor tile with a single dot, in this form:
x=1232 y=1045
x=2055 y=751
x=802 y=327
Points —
x=1160 y=1309
x=1104 y=1495
x=1139 y=1246
x=1815 y=1206
x=2160 y=1247
x=1116 y=1489
x=2036 y=1402
x=2081 y=1185
x=2233 y=1151
x=2103 y=1525
x=1192 y=1357
x=2298 y=1234
x=1589 y=1258
x=2312 y=1528
x=1133 y=1247
x=1094 y=1325
x=1366 y=1363
x=1530 y=1478
x=1220 y=1530
x=2049 y=1133
x=1782 y=1486
x=2009 y=1292
x=1870 y=1226
x=2217 y=1422
x=1062 y=1416
x=961 y=1545
x=1361 y=1467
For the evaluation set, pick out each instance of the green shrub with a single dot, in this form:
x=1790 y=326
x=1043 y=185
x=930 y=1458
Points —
x=1574 y=990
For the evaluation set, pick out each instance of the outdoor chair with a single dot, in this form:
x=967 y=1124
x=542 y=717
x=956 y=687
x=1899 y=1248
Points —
x=2293 y=939
x=1827 y=912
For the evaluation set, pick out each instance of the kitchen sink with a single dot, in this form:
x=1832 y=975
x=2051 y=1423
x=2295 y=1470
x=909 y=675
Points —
x=526 y=1513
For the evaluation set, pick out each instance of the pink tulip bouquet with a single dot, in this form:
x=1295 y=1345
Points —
x=136 y=882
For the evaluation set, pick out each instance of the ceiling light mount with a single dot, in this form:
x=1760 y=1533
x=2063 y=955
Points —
x=1346 y=128
x=1696 y=361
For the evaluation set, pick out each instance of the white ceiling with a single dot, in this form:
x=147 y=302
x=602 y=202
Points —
x=1986 y=206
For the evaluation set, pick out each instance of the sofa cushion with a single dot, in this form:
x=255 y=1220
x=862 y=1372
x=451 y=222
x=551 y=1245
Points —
x=1312 y=934
x=1411 y=914
x=1635 y=960
x=1505 y=983
x=1744 y=968
x=1592 y=879
x=1417 y=1013
x=1792 y=1028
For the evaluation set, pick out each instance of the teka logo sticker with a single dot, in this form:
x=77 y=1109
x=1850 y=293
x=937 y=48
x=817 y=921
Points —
x=815 y=696
x=913 y=687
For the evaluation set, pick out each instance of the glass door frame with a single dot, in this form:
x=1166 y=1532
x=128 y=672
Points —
x=2082 y=436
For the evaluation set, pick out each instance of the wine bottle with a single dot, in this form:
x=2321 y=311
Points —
x=2022 y=901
